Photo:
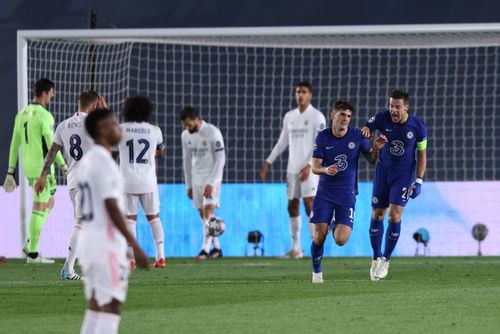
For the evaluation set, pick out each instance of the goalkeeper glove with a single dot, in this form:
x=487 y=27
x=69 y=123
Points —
x=416 y=187
x=10 y=182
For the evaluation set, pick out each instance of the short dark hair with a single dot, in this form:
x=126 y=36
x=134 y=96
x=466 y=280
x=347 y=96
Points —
x=43 y=85
x=342 y=105
x=88 y=97
x=137 y=109
x=189 y=112
x=92 y=120
x=304 y=84
x=399 y=94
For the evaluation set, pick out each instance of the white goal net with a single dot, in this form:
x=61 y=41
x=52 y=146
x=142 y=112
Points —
x=242 y=80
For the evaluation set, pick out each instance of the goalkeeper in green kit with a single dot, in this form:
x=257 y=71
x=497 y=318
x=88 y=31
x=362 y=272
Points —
x=33 y=132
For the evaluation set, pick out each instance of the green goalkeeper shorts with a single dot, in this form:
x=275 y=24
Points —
x=48 y=192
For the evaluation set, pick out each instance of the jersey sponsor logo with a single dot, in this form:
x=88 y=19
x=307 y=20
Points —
x=372 y=119
x=409 y=135
x=306 y=122
x=341 y=163
x=351 y=145
x=397 y=148
x=204 y=143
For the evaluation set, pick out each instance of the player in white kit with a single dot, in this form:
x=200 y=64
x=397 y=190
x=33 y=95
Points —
x=203 y=158
x=141 y=144
x=102 y=248
x=74 y=142
x=300 y=127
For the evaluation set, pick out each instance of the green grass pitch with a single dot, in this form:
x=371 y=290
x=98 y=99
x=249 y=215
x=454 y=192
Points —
x=267 y=295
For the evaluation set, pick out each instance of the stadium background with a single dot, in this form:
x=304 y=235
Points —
x=458 y=198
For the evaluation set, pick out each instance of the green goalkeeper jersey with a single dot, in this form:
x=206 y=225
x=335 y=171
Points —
x=33 y=131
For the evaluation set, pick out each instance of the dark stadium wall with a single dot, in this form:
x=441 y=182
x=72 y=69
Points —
x=73 y=14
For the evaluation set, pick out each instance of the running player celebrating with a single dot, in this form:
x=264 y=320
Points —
x=72 y=139
x=33 y=132
x=335 y=157
x=300 y=127
x=141 y=144
x=102 y=248
x=393 y=185
x=203 y=157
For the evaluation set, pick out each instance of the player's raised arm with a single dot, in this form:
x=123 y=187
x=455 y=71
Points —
x=48 y=138
x=372 y=155
x=10 y=182
x=318 y=169
x=49 y=160
x=278 y=149
x=371 y=125
x=416 y=187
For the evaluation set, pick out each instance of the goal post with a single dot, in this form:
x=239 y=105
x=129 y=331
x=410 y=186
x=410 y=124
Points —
x=242 y=80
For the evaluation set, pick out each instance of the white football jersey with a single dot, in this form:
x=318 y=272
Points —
x=75 y=143
x=298 y=133
x=137 y=149
x=99 y=179
x=203 y=155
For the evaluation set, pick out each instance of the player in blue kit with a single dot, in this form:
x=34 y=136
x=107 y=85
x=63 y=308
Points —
x=393 y=186
x=335 y=158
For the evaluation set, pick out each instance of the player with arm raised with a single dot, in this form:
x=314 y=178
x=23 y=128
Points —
x=203 y=158
x=300 y=127
x=393 y=186
x=335 y=158
x=102 y=248
x=33 y=133
x=141 y=143
x=72 y=139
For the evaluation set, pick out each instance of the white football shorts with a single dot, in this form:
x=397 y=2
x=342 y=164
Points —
x=200 y=202
x=150 y=203
x=106 y=277
x=297 y=189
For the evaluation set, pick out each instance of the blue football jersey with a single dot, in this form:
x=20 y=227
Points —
x=399 y=152
x=344 y=153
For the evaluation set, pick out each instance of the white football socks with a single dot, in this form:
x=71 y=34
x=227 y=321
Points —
x=207 y=239
x=108 y=323
x=90 y=322
x=216 y=243
x=157 y=229
x=69 y=265
x=295 y=225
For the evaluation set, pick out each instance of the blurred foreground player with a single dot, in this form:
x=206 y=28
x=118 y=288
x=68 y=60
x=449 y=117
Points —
x=33 y=132
x=393 y=186
x=102 y=248
x=141 y=144
x=300 y=127
x=203 y=158
x=335 y=157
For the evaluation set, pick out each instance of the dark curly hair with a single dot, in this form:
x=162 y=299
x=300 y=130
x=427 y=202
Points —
x=137 y=109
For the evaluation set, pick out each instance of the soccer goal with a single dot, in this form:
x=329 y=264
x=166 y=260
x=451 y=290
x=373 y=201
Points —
x=242 y=80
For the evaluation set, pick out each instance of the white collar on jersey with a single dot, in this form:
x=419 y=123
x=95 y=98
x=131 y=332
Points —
x=309 y=108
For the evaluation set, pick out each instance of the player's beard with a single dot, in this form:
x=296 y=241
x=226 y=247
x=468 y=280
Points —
x=194 y=129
